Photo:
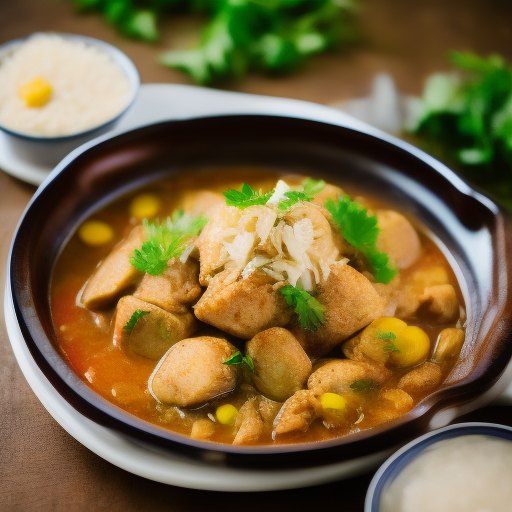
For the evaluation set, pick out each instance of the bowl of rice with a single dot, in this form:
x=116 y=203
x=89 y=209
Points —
x=58 y=91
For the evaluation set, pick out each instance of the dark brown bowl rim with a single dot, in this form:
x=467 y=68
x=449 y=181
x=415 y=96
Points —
x=24 y=285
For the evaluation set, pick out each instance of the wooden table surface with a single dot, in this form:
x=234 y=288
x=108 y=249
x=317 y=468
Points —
x=43 y=468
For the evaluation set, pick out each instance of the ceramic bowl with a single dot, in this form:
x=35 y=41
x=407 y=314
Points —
x=48 y=151
x=473 y=233
x=390 y=470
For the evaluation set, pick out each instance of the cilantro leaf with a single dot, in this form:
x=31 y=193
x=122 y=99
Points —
x=310 y=311
x=293 y=198
x=136 y=316
x=165 y=241
x=360 y=230
x=246 y=197
x=238 y=358
x=390 y=347
x=386 y=335
x=363 y=385
x=312 y=187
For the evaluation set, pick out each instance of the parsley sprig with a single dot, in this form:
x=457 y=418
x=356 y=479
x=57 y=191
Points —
x=363 y=385
x=136 y=316
x=360 y=230
x=246 y=197
x=390 y=337
x=238 y=358
x=310 y=188
x=310 y=310
x=165 y=241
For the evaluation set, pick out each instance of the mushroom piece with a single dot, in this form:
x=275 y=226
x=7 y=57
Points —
x=192 y=372
x=244 y=307
x=155 y=332
x=449 y=344
x=114 y=273
x=280 y=363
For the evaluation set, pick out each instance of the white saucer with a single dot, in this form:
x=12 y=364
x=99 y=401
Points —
x=163 y=102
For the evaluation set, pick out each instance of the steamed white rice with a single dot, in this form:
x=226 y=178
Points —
x=89 y=88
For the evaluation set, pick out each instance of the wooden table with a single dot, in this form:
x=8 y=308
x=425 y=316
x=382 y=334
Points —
x=41 y=467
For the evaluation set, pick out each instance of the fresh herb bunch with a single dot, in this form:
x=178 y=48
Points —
x=310 y=311
x=136 y=316
x=360 y=230
x=270 y=35
x=165 y=241
x=466 y=119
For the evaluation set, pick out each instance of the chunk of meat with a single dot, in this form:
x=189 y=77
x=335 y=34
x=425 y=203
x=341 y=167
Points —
x=398 y=238
x=177 y=286
x=249 y=424
x=154 y=333
x=328 y=192
x=201 y=202
x=401 y=401
x=210 y=242
x=281 y=365
x=337 y=375
x=298 y=412
x=327 y=243
x=202 y=429
x=421 y=380
x=449 y=344
x=350 y=303
x=114 y=273
x=244 y=307
x=192 y=372
x=268 y=410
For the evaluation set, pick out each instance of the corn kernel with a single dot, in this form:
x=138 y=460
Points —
x=413 y=345
x=333 y=401
x=95 y=233
x=35 y=93
x=145 y=206
x=226 y=414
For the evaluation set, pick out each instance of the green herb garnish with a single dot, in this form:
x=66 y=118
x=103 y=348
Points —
x=363 y=385
x=238 y=358
x=136 y=316
x=386 y=335
x=312 y=187
x=390 y=347
x=246 y=197
x=293 y=197
x=360 y=230
x=165 y=241
x=310 y=311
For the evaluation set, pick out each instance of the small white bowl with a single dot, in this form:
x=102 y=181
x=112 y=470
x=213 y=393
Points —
x=392 y=468
x=48 y=151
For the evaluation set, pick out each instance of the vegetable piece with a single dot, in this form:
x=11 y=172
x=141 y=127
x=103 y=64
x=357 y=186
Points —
x=226 y=414
x=145 y=206
x=364 y=385
x=238 y=358
x=136 y=315
x=333 y=401
x=95 y=233
x=412 y=347
x=165 y=241
x=36 y=93
x=360 y=230
x=312 y=187
x=246 y=197
x=310 y=311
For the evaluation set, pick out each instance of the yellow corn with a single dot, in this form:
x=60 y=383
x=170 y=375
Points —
x=95 y=233
x=413 y=347
x=145 y=206
x=333 y=401
x=35 y=93
x=226 y=414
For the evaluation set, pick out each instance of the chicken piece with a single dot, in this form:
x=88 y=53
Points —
x=327 y=243
x=298 y=412
x=210 y=242
x=244 y=307
x=114 y=273
x=391 y=404
x=398 y=239
x=441 y=302
x=328 y=192
x=202 y=429
x=421 y=380
x=192 y=372
x=337 y=375
x=280 y=363
x=177 y=286
x=449 y=344
x=350 y=303
x=268 y=410
x=201 y=202
x=154 y=333
x=249 y=424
